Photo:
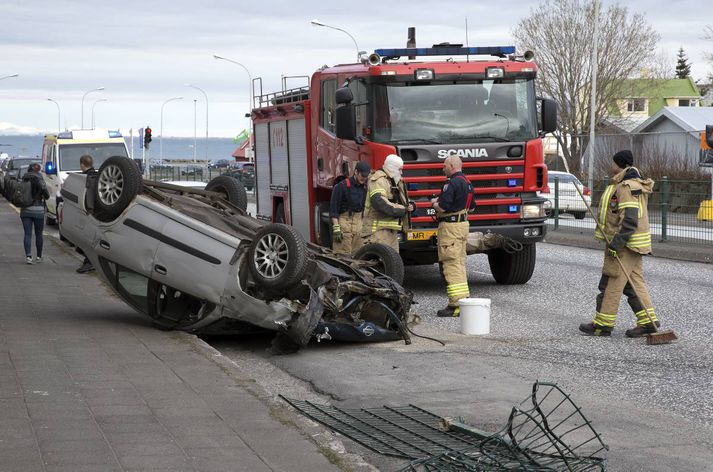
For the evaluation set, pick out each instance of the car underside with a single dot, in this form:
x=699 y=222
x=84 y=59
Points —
x=195 y=260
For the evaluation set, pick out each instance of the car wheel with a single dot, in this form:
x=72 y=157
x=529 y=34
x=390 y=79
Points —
x=578 y=215
x=250 y=189
x=232 y=190
x=388 y=261
x=118 y=182
x=277 y=256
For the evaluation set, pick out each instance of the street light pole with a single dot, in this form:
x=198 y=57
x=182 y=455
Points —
x=59 y=115
x=250 y=95
x=84 y=96
x=319 y=23
x=195 y=133
x=160 y=138
x=593 y=99
x=95 y=104
x=206 y=116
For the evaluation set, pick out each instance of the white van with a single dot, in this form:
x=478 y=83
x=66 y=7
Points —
x=61 y=153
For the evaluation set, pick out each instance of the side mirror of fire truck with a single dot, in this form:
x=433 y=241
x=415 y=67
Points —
x=345 y=126
x=344 y=96
x=549 y=115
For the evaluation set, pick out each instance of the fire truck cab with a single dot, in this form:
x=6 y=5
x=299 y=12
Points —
x=479 y=103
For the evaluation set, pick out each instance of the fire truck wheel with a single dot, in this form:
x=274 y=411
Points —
x=513 y=269
x=232 y=189
x=388 y=261
x=117 y=182
x=277 y=256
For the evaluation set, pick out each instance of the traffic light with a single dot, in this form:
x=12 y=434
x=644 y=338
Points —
x=147 y=137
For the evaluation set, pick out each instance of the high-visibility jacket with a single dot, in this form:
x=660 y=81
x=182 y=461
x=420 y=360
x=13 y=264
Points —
x=623 y=212
x=386 y=204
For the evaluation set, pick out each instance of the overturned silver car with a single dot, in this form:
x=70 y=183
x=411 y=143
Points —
x=194 y=260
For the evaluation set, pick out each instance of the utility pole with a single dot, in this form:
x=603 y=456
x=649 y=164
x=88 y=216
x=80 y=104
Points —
x=593 y=108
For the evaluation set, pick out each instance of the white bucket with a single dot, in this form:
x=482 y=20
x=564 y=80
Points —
x=474 y=315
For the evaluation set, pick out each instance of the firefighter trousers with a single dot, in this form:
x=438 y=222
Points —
x=452 y=239
x=351 y=234
x=387 y=237
x=613 y=284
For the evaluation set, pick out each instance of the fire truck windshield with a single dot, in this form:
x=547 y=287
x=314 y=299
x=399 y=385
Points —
x=474 y=111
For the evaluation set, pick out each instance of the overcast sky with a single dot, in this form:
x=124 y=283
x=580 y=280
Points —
x=144 y=52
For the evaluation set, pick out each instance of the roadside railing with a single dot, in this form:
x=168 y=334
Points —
x=182 y=173
x=679 y=211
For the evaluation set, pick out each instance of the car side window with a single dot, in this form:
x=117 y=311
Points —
x=329 y=102
x=132 y=286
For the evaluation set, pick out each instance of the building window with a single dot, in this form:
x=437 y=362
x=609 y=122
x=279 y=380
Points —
x=636 y=105
x=685 y=102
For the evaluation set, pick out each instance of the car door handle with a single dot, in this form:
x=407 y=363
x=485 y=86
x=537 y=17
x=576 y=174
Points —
x=160 y=269
x=104 y=245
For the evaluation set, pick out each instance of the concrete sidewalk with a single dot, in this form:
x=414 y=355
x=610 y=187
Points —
x=87 y=384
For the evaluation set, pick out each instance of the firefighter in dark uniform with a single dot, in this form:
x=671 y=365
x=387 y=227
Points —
x=346 y=209
x=452 y=214
x=624 y=219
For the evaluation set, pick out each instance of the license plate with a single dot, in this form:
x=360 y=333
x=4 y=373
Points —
x=420 y=235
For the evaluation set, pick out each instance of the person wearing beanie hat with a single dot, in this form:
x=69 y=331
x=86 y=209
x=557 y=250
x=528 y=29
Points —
x=346 y=209
x=623 y=159
x=624 y=227
x=387 y=207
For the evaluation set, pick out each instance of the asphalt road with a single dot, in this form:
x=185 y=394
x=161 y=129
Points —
x=652 y=404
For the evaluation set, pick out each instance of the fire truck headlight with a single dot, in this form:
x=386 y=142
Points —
x=532 y=210
x=424 y=74
x=495 y=73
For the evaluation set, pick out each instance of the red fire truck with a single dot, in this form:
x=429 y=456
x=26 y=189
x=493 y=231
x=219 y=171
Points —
x=479 y=102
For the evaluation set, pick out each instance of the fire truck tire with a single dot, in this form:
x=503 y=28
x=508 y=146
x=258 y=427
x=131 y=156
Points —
x=389 y=262
x=513 y=269
x=117 y=182
x=277 y=256
x=579 y=215
x=232 y=189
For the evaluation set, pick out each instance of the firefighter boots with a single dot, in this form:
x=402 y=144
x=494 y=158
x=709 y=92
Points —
x=592 y=329
x=641 y=330
x=449 y=312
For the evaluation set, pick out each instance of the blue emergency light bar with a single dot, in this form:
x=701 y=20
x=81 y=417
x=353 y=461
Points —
x=115 y=134
x=500 y=51
x=65 y=135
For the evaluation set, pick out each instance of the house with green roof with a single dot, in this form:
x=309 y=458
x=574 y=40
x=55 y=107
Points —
x=638 y=99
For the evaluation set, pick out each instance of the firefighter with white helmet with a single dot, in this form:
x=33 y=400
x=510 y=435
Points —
x=452 y=207
x=387 y=207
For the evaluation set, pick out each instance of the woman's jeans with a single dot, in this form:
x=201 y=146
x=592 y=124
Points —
x=39 y=223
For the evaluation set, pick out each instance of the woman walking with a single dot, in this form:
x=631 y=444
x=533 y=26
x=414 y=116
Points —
x=34 y=215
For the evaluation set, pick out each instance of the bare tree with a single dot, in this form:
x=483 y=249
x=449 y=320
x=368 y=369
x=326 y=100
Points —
x=560 y=32
x=708 y=35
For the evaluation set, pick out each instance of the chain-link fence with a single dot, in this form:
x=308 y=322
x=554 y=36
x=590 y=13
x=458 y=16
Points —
x=679 y=210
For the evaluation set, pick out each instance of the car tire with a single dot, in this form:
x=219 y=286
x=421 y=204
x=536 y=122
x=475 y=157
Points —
x=267 y=267
x=389 y=261
x=118 y=182
x=232 y=190
x=250 y=189
x=579 y=215
x=515 y=268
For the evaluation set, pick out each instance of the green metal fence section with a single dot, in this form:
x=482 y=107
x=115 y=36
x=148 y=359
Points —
x=679 y=211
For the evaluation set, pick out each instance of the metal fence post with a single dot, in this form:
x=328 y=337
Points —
x=664 y=208
x=556 y=210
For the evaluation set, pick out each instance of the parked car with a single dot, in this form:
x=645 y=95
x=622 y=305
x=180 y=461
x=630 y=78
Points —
x=194 y=260
x=14 y=169
x=192 y=170
x=244 y=172
x=569 y=199
x=159 y=164
x=219 y=164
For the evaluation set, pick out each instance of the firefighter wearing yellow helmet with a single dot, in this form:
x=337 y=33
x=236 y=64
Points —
x=387 y=207
x=452 y=207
